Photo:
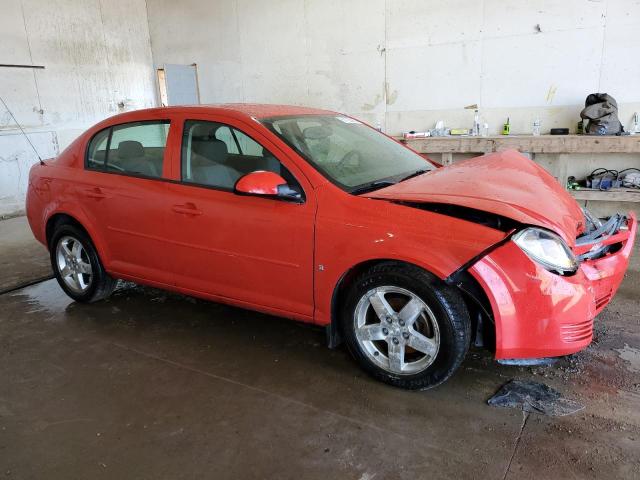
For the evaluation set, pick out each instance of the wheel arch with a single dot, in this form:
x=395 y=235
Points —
x=62 y=218
x=334 y=335
x=476 y=299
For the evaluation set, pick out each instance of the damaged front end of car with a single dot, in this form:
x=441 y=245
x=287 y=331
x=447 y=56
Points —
x=601 y=236
x=539 y=295
x=535 y=291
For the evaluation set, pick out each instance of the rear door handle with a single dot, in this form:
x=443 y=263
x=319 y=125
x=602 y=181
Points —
x=96 y=193
x=187 y=209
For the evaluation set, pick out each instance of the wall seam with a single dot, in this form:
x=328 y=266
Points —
x=306 y=47
x=482 y=40
x=386 y=76
x=604 y=35
x=154 y=66
x=241 y=63
x=33 y=70
x=106 y=58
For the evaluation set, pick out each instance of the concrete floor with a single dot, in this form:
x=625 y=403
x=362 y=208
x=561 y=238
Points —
x=155 y=385
x=22 y=257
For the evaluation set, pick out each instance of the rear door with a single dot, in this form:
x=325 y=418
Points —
x=250 y=249
x=124 y=190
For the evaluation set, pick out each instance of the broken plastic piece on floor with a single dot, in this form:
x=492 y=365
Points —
x=534 y=397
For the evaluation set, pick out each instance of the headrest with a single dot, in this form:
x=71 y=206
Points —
x=202 y=132
x=215 y=150
x=130 y=149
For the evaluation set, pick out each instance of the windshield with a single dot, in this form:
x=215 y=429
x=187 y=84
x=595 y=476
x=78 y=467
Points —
x=349 y=153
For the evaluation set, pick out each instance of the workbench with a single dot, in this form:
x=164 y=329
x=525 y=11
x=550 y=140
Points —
x=561 y=147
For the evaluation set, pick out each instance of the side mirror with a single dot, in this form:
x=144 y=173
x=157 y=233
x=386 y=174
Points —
x=266 y=184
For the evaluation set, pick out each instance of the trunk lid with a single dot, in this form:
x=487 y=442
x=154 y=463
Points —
x=504 y=183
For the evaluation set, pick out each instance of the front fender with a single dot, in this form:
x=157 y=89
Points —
x=381 y=230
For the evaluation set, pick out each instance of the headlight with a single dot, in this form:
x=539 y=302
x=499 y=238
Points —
x=547 y=249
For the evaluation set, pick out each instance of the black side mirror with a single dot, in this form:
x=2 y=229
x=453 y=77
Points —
x=287 y=192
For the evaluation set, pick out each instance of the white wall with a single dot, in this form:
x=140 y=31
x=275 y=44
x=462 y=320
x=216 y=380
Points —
x=408 y=63
x=96 y=55
x=401 y=63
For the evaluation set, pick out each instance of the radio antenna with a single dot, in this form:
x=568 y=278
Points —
x=20 y=127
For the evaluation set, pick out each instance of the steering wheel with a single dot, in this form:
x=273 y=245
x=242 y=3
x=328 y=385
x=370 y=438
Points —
x=353 y=155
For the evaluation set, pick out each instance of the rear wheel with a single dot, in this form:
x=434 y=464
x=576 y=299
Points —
x=405 y=326
x=77 y=267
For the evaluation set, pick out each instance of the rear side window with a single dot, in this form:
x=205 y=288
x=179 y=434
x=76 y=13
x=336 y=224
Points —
x=132 y=148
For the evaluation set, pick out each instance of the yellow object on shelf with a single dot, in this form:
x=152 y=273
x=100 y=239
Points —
x=506 y=128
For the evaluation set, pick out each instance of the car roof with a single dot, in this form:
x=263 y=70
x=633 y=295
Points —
x=253 y=110
x=265 y=110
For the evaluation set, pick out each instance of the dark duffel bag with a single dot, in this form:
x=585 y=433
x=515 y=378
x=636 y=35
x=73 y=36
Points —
x=601 y=111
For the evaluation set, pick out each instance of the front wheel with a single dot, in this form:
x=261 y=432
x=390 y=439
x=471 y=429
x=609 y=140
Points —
x=405 y=326
x=77 y=267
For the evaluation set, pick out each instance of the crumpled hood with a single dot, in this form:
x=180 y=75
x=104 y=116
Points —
x=504 y=183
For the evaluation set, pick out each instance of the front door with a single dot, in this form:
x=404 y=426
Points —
x=253 y=250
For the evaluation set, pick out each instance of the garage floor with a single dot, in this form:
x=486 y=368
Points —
x=155 y=385
x=22 y=258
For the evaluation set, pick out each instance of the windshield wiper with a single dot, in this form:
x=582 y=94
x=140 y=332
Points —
x=370 y=187
x=414 y=174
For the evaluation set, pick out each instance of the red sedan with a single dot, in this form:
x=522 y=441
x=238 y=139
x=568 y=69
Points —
x=315 y=216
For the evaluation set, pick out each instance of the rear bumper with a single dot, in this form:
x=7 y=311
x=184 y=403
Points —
x=540 y=314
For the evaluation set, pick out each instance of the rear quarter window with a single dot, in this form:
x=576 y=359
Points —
x=135 y=148
x=97 y=151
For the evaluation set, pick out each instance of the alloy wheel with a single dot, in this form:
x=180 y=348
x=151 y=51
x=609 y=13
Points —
x=397 y=330
x=73 y=264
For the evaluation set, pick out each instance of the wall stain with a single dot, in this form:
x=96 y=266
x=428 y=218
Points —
x=390 y=97
x=370 y=106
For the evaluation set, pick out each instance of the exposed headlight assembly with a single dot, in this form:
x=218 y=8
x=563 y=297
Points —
x=547 y=249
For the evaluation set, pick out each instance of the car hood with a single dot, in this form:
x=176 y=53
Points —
x=503 y=183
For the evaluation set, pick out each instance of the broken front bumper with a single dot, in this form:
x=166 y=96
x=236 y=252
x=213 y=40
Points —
x=538 y=313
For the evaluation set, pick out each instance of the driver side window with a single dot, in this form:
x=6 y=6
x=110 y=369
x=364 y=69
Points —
x=217 y=155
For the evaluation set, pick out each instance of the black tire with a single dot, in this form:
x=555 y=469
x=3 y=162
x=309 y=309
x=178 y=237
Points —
x=449 y=310
x=101 y=284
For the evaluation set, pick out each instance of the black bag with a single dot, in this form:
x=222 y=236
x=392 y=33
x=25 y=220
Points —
x=601 y=110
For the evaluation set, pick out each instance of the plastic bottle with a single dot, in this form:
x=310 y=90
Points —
x=536 y=127
x=476 y=124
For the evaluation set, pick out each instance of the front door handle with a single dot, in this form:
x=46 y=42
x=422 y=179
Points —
x=187 y=209
x=96 y=193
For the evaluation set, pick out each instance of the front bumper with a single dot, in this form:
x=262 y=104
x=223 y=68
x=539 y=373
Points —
x=541 y=314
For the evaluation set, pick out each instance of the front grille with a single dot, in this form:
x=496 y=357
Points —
x=603 y=300
x=577 y=332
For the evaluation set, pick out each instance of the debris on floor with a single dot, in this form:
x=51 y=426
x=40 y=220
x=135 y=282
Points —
x=631 y=356
x=534 y=397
